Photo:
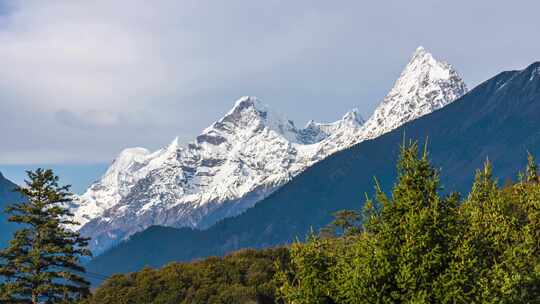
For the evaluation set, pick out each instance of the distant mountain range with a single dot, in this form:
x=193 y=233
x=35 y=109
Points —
x=243 y=158
x=496 y=120
x=7 y=197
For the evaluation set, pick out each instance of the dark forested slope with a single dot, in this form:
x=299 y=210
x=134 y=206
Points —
x=7 y=196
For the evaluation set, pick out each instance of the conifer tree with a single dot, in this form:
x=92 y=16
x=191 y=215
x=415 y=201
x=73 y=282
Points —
x=403 y=249
x=492 y=259
x=345 y=223
x=532 y=170
x=416 y=246
x=413 y=232
x=471 y=247
x=308 y=279
x=523 y=254
x=42 y=262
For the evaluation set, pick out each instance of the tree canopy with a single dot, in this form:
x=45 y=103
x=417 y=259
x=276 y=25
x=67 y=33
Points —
x=412 y=244
x=418 y=246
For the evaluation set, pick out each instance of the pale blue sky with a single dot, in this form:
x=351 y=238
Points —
x=81 y=80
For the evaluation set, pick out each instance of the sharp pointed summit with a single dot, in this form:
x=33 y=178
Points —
x=248 y=101
x=424 y=86
x=247 y=105
x=420 y=51
x=249 y=115
x=353 y=117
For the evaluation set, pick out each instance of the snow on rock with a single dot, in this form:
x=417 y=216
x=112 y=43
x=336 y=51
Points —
x=425 y=85
x=315 y=132
x=237 y=161
x=116 y=183
x=242 y=158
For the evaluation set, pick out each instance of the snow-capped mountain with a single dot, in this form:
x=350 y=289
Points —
x=237 y=161
x=242 y=158
x=425 y=85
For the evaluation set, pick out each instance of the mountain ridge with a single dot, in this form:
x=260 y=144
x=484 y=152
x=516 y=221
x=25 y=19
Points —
x=497 y=119
x=242 y=158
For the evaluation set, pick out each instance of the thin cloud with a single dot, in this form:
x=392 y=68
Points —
x=81 y=80
x=89 y=119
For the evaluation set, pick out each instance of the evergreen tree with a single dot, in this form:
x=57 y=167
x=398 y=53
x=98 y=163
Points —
x=411 y=234
x=471 y=248
x=522 y=256
x=398 y=257
x=532 y=169
x=496 y=255
x=42 y=261
x=308 y=277
x=345 y=223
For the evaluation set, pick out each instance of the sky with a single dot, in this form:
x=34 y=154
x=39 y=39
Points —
x=82 y=80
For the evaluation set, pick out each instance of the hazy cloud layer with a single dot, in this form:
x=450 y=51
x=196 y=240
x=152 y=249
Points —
x=80 y=80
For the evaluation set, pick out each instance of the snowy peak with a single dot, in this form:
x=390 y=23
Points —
x=315 y=132
x=353 y=118
x=114 y=184
x=248 y=115
x=124 y=163
x=245 y=108
x=424 y=86
x=246 y=102
x=422 y=55
x=421 y=68
x=429 y=80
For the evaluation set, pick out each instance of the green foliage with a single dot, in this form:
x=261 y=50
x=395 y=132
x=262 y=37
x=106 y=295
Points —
x=412 y=246
x=307 y=278
x=417 y=246
x=532 y=169
x=41 y=263
x=496 y=250
x=243 y=277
